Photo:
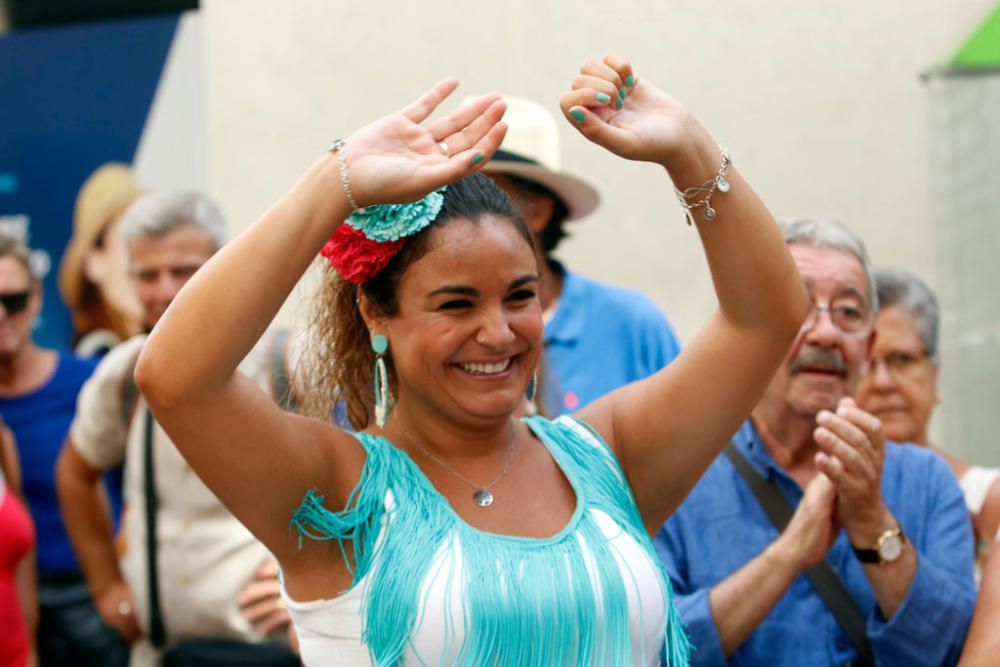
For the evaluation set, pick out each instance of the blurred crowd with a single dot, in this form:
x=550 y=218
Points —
x=790 y=550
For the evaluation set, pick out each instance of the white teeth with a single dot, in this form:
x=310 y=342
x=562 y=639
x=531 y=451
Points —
x=486 y=369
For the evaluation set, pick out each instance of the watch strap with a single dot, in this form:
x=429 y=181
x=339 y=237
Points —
x=867 y=555
x=874 y=556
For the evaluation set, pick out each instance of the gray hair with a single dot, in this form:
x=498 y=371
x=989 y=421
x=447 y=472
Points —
x=832 y=234
x=159 y=213
x=912 y=295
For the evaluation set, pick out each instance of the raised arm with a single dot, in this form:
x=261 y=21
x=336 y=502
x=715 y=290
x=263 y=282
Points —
x=668 y=428
x=257 y=459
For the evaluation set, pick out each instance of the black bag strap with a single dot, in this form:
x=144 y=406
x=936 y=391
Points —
x=822 y=577
x=157 y=632
x=130 y=393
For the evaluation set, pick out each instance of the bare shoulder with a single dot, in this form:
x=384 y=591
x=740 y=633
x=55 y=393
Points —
x=342 y=458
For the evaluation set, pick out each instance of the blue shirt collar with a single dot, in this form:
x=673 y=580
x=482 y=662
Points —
x=749 y=443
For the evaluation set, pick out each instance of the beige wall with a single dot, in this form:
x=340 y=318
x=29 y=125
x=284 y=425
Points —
x=819 y=102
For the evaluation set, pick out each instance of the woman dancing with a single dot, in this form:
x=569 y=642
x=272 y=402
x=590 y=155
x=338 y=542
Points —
x=447 y=531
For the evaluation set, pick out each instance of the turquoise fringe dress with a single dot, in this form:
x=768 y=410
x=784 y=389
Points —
x=576 y=598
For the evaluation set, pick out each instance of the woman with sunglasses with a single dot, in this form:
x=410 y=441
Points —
x=38 y=390
x=447 y=531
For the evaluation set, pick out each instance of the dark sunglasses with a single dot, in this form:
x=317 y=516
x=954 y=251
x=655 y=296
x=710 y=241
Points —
x=15 y=302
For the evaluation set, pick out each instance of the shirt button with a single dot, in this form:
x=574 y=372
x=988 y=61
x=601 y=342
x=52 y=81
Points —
x=841 y=646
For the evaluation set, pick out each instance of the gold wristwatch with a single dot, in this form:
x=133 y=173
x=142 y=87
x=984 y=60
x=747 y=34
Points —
x=888 y=548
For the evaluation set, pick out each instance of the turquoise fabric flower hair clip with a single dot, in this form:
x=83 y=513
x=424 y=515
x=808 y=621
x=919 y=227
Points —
x=391 y=222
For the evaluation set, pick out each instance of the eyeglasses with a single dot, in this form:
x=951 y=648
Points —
x=901 y=365
x=14 y=302
x=849 y=317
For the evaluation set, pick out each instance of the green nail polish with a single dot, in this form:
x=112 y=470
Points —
x=578 y=116
x=629 y=81
x=619 y=104
x=477 y=158
x=622 y=94
x=603 y=98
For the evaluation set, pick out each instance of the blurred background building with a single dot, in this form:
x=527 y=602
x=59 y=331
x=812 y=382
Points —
x=881 y=114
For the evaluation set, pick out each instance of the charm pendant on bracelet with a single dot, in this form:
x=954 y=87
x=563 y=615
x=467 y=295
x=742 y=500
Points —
x=718 y=184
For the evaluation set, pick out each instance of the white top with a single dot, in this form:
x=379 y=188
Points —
x=329 y=630
x=976 y=484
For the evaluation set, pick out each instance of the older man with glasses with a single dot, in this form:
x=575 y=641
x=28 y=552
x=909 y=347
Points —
x=812 y=541
x=901 y=389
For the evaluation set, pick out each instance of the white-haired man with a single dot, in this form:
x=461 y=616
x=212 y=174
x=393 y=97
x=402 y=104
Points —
x=811 y=541
x=189 y=569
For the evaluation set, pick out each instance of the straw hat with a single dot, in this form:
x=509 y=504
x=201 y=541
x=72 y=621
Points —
x=103 y=197
x=531 y=151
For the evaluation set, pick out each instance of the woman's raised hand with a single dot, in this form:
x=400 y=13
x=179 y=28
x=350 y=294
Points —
x=398 y=158
x=630 y=117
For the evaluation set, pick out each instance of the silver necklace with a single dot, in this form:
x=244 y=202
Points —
x=482 y=497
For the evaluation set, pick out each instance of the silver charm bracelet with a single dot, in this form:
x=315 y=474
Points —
x=337 y=148
x=708 y=188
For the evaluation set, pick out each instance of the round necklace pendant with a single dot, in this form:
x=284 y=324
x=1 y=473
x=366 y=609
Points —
x=483 y=498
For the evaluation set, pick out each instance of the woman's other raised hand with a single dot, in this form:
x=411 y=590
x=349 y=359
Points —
x=631 y=117
x=399 y=158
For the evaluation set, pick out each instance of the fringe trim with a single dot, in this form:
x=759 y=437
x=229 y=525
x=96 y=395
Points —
x=570 y=584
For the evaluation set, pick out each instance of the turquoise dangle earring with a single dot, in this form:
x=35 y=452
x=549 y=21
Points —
x=533 y=387
x=379 y=345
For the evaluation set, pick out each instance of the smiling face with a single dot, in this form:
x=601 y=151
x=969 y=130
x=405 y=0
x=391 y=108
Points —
x=823 y=364
x=900 y=387
x=15 y=327
x=467 y=336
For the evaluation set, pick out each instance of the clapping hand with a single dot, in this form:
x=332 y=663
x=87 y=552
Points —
x=398 y=158
x=812 y=529
x=852 y=451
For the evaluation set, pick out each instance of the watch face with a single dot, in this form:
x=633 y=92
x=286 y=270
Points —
x=891 y=548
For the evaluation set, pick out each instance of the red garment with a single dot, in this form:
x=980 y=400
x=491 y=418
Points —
x=17 y=535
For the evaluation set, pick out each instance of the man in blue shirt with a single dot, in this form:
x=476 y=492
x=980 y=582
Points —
x=889 y=520
x=598 y=337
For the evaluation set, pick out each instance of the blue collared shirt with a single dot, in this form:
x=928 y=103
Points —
x=721 y=526
x=600 y=338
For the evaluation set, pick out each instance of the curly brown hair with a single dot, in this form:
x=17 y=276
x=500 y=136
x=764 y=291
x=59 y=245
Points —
x=338 y=361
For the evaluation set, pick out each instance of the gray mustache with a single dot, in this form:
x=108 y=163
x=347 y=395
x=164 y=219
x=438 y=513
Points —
x=819 y=356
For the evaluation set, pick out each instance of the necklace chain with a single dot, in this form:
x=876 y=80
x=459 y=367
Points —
x=482 y=496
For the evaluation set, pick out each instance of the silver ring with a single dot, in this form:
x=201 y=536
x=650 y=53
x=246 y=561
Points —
x=443 y=145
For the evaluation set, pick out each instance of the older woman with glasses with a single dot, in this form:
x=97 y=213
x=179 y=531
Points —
x=900 y=388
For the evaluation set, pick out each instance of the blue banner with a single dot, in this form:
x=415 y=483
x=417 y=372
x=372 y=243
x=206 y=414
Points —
x=74 y=97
